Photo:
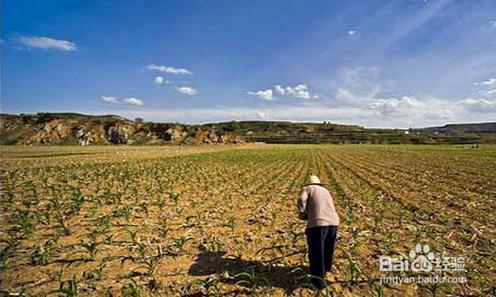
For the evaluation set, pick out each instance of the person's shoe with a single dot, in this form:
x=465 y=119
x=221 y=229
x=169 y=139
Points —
x=319 y=285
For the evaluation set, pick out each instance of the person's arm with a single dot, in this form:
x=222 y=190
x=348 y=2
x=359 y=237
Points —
x=302 y=205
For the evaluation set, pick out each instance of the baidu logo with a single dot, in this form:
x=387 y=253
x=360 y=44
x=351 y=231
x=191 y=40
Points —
x=421 y=259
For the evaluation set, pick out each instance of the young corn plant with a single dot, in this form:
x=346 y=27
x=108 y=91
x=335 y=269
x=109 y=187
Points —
x=125 y=212
x=388 y=246
x=91 y=247
x=42 y=254
x=109 y=238
x=481 y=281
x=231 y=223
x=104 y=224
x=43 y=218
x=69 y=288
x=149 y=263
x=209 y=286
x=378 y=289
x=180 y=243
x=163 y=228
x=6 y=253
x=94 y=209
x=354 y=271
x=251 y=279
x=95 y=273
x=294 y=234
x=434 y=288
x=25 y=222
x=135 y=195
x=134 y=236
x=62 y=224
x=212 y=244
x=27 y=202
x=132 y=289
x=378 y=218
x=76 y=203
x=174 y=197
x=161 y=203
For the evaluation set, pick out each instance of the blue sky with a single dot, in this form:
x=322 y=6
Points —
x=401 y=63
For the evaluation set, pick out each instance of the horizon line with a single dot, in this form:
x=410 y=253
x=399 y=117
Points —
x=243 y=120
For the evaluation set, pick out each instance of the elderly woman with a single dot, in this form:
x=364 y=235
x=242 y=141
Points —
x=317 y=207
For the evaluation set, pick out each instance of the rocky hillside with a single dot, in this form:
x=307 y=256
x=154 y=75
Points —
x=71 y=128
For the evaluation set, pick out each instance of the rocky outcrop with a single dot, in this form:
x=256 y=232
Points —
x=174 y=133
x=116 y=135
x=83 y=137
x=52 y=132
x=80 y=129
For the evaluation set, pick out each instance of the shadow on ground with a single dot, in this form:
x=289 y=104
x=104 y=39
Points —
x=253 y=273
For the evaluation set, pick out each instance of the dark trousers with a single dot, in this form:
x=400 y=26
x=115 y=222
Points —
x=321 y=242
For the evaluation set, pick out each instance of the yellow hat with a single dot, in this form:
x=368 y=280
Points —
x=314 y=179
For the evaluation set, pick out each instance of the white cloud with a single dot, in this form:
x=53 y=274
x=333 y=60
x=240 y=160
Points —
x=362 y=88
x=344 y=95
x=187 y=91
x=439 y=114
x=134 y=101
x=158 y=80
x=109 y=99
x=279 y=89
x=168 y=69
x=487 y=87
x=299 y=91
x=493 y=24
x=351 y=32
x=357 y=85
x=263 y=94
x=393 y=106
x=490 y=83
x=415 y=111
x=479 y=104
x=260 y=115
x=488 y=92
x=48 y=43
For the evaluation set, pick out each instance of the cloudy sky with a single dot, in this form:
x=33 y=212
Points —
x=401 y=63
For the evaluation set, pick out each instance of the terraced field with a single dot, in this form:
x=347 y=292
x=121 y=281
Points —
x=198 y=221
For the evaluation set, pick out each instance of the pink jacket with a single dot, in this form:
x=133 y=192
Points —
x=317 y=206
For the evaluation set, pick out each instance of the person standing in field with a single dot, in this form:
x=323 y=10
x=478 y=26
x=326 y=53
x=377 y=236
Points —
x=317 y=207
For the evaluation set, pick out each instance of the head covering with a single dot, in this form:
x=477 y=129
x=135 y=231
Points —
x=313 y=179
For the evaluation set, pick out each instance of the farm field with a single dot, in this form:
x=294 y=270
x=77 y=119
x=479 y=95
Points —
x=221 y=220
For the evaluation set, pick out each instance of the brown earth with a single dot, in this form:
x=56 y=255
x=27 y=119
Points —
x=220 y=220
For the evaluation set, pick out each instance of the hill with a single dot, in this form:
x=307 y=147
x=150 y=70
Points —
x=326 y=132
x=462 y=128
x=74 y=128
